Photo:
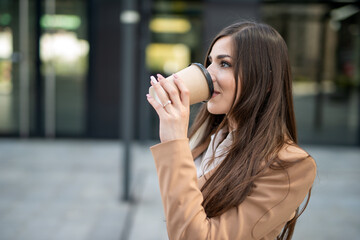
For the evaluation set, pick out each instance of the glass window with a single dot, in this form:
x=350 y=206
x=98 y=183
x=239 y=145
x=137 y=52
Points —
x=323 y=44
x=176 y=34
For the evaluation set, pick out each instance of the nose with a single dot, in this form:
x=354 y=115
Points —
x=212 y=72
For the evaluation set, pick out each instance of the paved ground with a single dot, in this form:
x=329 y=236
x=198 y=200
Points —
x=71 y=190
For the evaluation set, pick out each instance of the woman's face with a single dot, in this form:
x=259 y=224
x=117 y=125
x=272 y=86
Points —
x=222 y=73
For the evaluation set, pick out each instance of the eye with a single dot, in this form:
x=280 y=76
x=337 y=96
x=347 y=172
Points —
x=225 y=64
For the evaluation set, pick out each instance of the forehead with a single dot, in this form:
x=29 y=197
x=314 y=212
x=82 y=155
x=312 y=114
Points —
x=222 y=46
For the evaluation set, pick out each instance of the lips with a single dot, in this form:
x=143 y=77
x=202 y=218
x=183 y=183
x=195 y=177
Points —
x=215 y=93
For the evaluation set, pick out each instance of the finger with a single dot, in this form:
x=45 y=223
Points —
x=184 y=91
x=171 y=90
x=159 y=90
x=157 y=106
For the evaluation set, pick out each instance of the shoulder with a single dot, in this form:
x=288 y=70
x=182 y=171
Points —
x=293 y=169
x=292 y=152
x=281 y=190
x=301 y=165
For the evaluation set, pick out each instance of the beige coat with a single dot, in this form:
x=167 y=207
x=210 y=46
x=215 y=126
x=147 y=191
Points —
x=262 y=215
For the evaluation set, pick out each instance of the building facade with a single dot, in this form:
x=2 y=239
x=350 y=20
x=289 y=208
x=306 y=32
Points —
x=62 y=62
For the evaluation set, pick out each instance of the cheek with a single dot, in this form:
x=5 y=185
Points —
x=230 y=86
x=229 y=93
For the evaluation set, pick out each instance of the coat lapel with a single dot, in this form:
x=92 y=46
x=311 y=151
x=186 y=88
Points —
x=204 y=178
x=200 y=149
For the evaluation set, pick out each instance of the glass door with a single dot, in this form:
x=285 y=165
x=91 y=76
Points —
x=64 y=52
x=16 y=67
x=43 y=67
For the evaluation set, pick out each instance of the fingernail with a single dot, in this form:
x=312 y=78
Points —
x=153 y=79
x=160 y=77
x=175 y=75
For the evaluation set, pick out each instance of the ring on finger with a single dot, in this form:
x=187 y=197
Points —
x=168 y=102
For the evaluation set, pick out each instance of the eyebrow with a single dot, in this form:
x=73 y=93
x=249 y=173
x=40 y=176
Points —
x=221 y=56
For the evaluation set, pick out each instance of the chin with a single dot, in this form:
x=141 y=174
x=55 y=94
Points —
x=213 y=109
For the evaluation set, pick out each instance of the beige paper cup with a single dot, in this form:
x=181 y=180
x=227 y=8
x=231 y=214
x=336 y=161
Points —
x=197 y=79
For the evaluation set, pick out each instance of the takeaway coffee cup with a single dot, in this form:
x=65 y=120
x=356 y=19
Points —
x=197 y=79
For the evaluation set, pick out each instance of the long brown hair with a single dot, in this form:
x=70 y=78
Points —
x=263 y=112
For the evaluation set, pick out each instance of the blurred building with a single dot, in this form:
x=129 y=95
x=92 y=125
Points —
x=61 y=62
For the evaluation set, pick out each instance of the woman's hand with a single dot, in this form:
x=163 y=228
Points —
x=174 y=112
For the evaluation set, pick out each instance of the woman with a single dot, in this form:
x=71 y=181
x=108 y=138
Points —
x=241 y=175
